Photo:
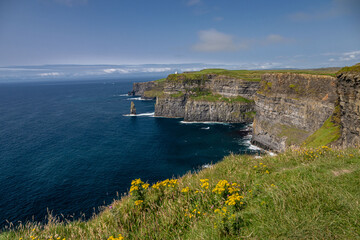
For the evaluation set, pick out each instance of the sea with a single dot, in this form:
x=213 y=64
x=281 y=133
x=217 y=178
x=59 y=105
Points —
x=68 y=148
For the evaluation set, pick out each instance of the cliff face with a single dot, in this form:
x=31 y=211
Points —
x=217 y=84
x=221 y=98
x=172 y=107
x=231 y=87
x=201 y=110
x=290 y=107
x=218 y=111
x=348 y=88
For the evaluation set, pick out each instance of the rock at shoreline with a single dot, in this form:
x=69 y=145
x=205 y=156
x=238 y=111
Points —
x=132 y=108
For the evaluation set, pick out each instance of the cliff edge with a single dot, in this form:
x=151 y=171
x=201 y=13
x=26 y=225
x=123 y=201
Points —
x=290 y=107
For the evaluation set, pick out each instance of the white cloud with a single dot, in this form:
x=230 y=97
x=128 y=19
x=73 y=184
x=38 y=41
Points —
x=49 y=74
x=193 y=2
x=215 y=41
x=136 y=70
x=343 y=57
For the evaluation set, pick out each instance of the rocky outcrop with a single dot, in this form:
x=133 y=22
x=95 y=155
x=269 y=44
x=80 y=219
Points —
x=290 y=107
x=236 y=112
x=132 y=108
x=348 y=89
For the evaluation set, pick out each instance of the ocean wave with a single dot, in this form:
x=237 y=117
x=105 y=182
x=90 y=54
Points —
x=205 y=128
x=211 y=123
x=253 y=147
x=121 y=95
x=249 y=145
x=140 y=115
x=138 y=99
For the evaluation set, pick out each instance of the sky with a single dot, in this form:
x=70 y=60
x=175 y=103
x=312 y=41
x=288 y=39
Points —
x=241 y=34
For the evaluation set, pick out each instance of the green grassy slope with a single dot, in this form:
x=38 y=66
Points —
x=301 y=194
x=247 y=75
x=352 y=69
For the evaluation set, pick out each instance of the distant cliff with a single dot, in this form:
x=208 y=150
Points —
x=348 y=89
x=207 y=97
x=290 y=107
x=147 y=90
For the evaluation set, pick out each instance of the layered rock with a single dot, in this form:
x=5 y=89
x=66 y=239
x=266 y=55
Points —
x=179 y=91
x=201 y=110
x=348 y=89
x=235 y=112
x=218 y=84
x=290 y=107
x=172 y=107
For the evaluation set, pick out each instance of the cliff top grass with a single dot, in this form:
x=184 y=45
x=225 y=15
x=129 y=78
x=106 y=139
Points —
x=352 y=69
x=255 y=75
x=300 y=194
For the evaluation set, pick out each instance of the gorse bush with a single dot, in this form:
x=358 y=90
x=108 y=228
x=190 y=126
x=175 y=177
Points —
x=302 y=193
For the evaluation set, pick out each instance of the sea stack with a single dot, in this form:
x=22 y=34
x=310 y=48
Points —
x=132 y=108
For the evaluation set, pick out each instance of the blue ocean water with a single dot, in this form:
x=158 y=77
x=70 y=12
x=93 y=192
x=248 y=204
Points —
x=69 y=147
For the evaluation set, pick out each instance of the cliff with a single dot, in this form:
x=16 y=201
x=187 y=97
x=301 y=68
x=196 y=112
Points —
x=290 y=107
x=207 y=97
x=147 y=90
x=348 y=89
x=226 y=86
x=219 y=111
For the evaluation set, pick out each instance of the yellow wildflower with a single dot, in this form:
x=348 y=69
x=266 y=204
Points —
x=138 y=202
x=185 y=190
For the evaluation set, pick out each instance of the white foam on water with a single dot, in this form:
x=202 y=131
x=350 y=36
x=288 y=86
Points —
x=247 y=137
x=146 y=114
x=205 y=128
x=138 y=99
x=121 y=95
x=211 y=123
x=140 y=115
x=253 y=147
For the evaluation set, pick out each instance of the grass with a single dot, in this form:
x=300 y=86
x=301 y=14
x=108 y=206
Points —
x=353 y=69
x=300 y=194
x=153 y=93
x=177 y=95
x=157 y=90
x=247 y=75
x=255 y=75
x=328 y=133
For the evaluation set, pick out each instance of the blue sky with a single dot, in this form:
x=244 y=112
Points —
x=238 y=33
